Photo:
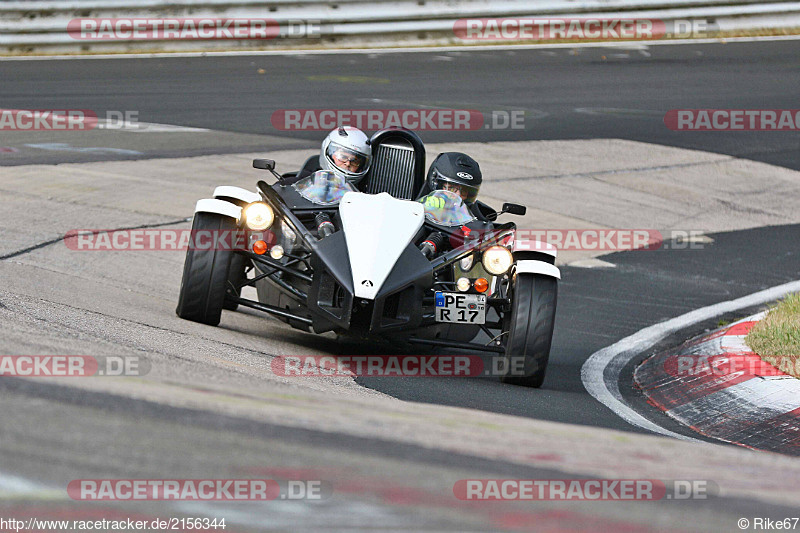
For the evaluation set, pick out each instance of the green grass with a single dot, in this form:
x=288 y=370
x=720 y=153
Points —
x=776 y=338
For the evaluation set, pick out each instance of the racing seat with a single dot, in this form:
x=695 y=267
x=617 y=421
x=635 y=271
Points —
x=398 y=164
x=311 y=165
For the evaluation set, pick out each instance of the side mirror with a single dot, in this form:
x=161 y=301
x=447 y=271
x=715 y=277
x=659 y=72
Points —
x=514 y=209
x=264 y=164
x=267 y=164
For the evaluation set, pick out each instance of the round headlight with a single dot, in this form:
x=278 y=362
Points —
x=276 y=252
x=497 y=260
x=258 y=216
x=463 y=284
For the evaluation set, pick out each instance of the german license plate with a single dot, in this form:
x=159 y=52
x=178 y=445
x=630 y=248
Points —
x=460 y=308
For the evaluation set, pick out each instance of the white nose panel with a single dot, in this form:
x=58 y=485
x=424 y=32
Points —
x=377 y=229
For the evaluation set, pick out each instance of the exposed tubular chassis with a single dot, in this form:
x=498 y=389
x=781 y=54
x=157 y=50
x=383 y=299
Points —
x=439 y=263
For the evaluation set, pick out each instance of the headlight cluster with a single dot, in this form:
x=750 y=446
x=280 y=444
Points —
x=258 y=216
x=497 y=260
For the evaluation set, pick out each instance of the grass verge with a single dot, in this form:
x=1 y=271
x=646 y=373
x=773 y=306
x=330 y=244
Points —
x=776 y=338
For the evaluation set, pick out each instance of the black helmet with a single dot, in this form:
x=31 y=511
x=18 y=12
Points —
x=454 y=169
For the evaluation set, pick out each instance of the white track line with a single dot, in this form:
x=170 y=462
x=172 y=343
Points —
x=408 y=50
x=601 y=372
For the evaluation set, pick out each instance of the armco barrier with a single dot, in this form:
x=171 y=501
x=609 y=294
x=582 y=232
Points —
x=41 y=26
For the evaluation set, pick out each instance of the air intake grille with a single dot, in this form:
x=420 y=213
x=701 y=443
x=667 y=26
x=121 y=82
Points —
x=392 y=171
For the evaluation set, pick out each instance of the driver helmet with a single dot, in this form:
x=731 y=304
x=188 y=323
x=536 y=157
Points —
x=456 y=172
x=346 y=151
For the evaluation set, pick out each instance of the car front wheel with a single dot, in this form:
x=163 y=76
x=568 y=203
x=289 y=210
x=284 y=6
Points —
x=205 y=273
x=529 y=326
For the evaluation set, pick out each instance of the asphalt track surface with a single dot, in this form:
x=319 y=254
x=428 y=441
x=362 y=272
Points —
x=596 y=307
x=567 y=94
x=579 y=93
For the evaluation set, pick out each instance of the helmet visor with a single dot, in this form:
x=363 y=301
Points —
x=347 y=159
x=467 y=193
x=446 y=209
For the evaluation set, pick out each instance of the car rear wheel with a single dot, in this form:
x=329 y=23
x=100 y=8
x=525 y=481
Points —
x=205 y=274
x=530 y=329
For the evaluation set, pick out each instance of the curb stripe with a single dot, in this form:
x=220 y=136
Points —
x=601 y=372
x=750 y=402
x=755 y=400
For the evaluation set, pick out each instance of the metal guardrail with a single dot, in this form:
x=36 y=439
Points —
x=33 y=11
x=41 y=26
x=526 y=5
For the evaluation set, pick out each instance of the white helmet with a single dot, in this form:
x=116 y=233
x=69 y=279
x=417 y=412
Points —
x=347 y=153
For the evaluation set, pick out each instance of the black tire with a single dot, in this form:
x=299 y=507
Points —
x=530 y=327
x=239 y=264
x=236 y=276
x=205 y=274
